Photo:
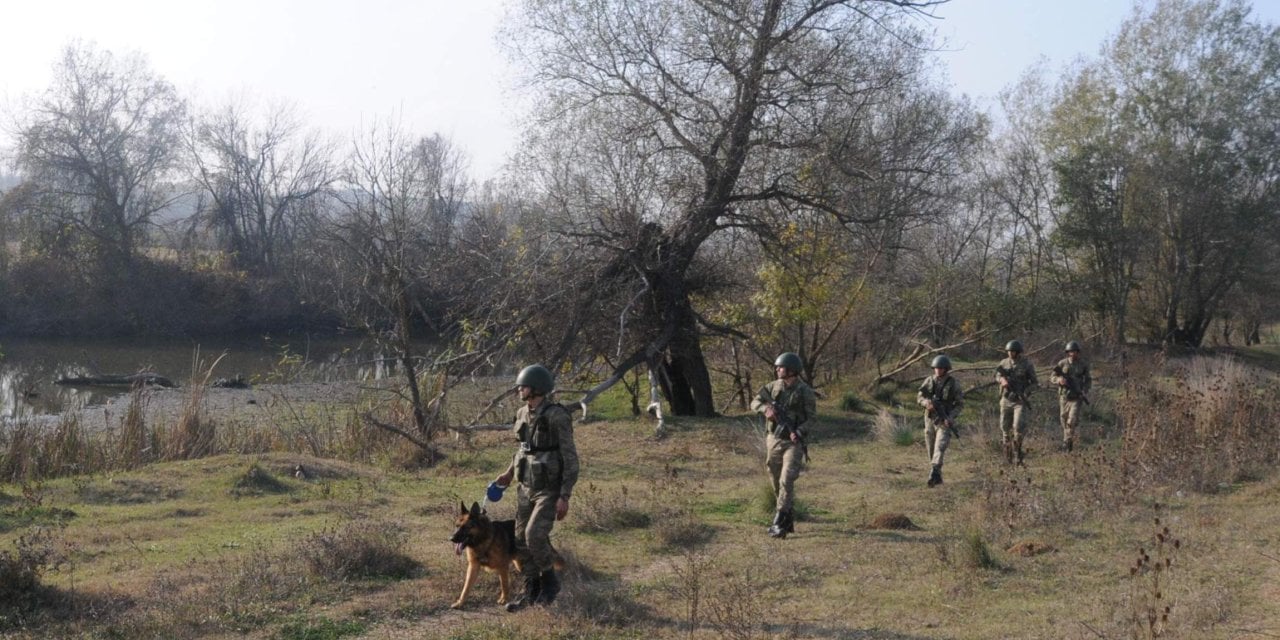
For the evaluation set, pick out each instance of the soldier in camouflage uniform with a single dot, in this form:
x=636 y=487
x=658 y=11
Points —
x=1016 y=377
x=1074 y=381
x=546 y=466
x=942 y=399
x=786 y=449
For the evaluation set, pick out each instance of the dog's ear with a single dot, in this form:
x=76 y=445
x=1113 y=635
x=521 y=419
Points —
x=462 y=508
x=475 y=509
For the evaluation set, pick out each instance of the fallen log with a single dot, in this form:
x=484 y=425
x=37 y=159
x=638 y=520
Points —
x=144 y=378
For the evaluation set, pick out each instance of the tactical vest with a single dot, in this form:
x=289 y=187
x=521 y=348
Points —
x=539 y=465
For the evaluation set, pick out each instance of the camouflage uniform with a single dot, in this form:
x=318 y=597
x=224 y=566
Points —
x=785 y=458
x=936 y=436
x=546 y=466
x=1068 y=402
x=1013 y=411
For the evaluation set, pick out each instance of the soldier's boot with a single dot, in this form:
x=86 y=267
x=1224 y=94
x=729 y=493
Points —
x=532 y=591
x=1071 y=445
x=779 y=527
x=935 y=476
x=790 y=526
x=1008 y=452
x=1017 y=446
x=550 y=588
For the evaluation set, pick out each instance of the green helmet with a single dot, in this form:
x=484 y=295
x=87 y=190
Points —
x=941 y=362
x=790 y=361
x=1072 y=346
x=1013 y=345
x=537 y=378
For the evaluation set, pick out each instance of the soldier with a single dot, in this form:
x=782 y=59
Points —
x=787 y=403
x=546 y=466
x=1074 y=381
x=1016 y=377
x=942 y=399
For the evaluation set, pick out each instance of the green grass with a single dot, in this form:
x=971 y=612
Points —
x=193 y=558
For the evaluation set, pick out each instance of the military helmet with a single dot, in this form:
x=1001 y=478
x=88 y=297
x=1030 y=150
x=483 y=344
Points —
x=791 y=361
x=941 y=362
x=1013 y=345
x=1072 y=346
x=537 y=378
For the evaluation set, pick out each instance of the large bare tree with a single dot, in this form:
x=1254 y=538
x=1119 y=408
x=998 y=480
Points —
x=99 y=148
x=726 y=105
x=260 y=174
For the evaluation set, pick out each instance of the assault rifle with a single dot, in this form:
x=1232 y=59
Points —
x=1072 y=387
x=787 y=426
x=939 y=416
x=1018 y=393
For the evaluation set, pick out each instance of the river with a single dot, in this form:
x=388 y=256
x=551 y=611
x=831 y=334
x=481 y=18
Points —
x=29 y=367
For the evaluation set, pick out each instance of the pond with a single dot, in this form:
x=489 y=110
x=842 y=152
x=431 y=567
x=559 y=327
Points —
x=30 y=367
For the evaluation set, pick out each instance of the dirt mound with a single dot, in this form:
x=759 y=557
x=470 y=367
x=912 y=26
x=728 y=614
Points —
x=1028 y=548
x=893 y=521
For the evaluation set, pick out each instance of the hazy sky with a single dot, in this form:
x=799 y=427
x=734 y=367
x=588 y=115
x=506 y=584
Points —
x=435 y=63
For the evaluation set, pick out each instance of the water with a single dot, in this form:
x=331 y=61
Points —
x=28 y=368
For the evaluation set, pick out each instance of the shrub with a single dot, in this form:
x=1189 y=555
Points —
x=21 y=569
x=359 y=550
x=256 y=481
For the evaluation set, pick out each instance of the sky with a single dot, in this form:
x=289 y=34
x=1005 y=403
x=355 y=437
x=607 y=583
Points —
x=435 y=65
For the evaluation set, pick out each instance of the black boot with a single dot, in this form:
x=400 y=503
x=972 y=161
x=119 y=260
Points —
x=550 y=588
x=1018 y=450
x=1071 y=445
x=532 y=591
x=1008 y=452
x=935 y=476
x=790 y=525
x=779 y=527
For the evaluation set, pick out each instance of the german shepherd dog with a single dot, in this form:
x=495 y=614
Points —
x=490 y=544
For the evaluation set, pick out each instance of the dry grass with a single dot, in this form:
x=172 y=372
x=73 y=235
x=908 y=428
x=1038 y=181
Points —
x=664 y=538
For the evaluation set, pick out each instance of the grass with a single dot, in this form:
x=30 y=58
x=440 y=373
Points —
x=665 y=539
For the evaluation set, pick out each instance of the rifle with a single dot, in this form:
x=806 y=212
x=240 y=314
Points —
x=787 y=424
x=1018 y=394
x=939 y=416
x=1072 y=387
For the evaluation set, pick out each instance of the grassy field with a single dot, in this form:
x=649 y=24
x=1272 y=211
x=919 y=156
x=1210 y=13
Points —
x=665 y=539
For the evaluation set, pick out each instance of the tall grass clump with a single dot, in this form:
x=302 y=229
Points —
x=895 y=429
x=1211 y=425
x=364 y=549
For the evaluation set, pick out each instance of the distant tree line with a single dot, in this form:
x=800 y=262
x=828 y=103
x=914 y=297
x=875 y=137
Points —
x=703 y=184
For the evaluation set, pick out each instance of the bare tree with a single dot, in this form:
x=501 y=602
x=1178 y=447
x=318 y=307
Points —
x=728 y=105
x=100 y=147
x=260 y=175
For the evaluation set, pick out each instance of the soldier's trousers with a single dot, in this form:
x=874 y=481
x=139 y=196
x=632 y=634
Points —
x=784 y=461
x=1013 y=421
x=1069 y=412
x=535 y=516
x=936 y=439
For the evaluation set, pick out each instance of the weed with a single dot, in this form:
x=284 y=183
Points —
x=364 y=549
x=602 y=511
x=974 y=552
x=852 y=403
x=21 y=569
x=1150 y=576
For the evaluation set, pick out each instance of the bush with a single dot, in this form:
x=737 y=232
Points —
x=360 y=550
x=21 y=569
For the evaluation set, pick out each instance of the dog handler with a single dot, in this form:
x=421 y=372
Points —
x=785 y=446
x=546 y=466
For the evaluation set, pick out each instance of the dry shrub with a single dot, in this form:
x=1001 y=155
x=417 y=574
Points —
x=1150 y=576
x=1211 y=426
x=21 y=570
x=18 y=460
x=133 y=446
x=973 y=551
x=895 y=429
x=365 y=549
x=256 y=481
x=728 y=601
x=601 y=511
